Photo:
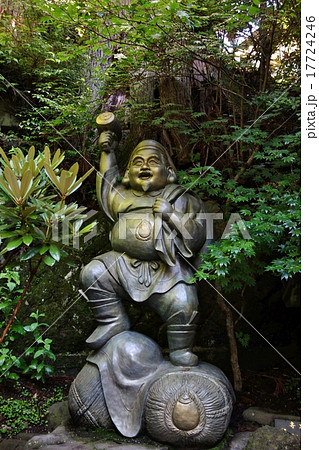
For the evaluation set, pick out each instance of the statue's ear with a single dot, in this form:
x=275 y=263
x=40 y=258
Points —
x=125 y=180
x=171 y=178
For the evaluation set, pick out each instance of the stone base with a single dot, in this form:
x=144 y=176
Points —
x=128 y=385
x=189 y=408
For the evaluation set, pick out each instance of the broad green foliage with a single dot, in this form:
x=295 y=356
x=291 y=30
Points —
x=270 y=211
x=33 y=190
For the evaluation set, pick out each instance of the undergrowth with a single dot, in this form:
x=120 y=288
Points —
x=29 y=409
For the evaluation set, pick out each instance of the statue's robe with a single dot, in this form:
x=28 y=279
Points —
x=149 y=254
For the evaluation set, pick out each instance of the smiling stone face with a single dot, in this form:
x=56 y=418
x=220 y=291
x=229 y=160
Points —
x=148 y=171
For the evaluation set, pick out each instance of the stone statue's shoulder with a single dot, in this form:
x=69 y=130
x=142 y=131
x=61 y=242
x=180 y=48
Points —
x=181 y=196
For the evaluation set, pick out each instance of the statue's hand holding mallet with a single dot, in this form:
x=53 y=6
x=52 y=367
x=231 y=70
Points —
x=109 y=130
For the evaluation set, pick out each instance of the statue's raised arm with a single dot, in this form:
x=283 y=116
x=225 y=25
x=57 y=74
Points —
x=110 y=134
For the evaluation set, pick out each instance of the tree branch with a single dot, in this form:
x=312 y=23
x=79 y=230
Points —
x=16 y=309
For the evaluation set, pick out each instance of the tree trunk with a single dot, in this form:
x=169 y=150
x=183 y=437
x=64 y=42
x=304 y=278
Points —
x=231 y=338
x=175 y=95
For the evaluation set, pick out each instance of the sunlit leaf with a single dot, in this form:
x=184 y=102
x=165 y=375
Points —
x=80 y=181
x=49 y=261
x=15 y=163
x=75 y=168
x=63 y=182
x=26 y=184
x=14 y=244
x=31 y=153
x=4 y=156
x=12 y=181
x=27 y=239
x=5 y=188
x=52 y=175
x=55 y=252
x=88 y=228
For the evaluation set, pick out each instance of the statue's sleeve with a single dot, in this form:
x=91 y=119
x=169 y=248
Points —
x=189 y=221
x=108 y=190
x=185 y=231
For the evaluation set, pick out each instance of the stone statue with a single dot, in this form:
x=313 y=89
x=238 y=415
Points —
x=158 y=228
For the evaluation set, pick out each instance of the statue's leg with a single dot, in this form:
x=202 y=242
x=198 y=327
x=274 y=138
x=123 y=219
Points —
x=178 y=308
x=104 y=296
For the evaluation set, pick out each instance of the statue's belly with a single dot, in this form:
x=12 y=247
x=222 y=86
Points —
x=133 y=234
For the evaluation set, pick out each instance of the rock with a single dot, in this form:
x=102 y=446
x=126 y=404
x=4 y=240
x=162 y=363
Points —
x=266 y=416
x=259 y=415
x=58 y=414
x=270 y=438
x=62 y=438
x=292 y=426
x=107 y=446
x=239 y=441
x=58 y=436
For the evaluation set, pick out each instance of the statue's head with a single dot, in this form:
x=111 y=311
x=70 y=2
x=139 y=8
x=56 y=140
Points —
x=150 y=167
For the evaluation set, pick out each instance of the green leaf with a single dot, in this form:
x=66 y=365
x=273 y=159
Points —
x=52 y=175
x=11 y=285
x=30 y=253
x=14 y=244
x=88 y=228
x=4 y=305
x=4 y=156
x=27 y=239
x=49 y=261
x=39 y=353
x=9 y=234
x=253 y=10
x=13 y=376
x=26 y=184
x=12 y=182
x=18 y=328
x=44 y=249
x=40 y=367
x=55 y=252
x=30 y=350
x=31 y=328
x=39 y=232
